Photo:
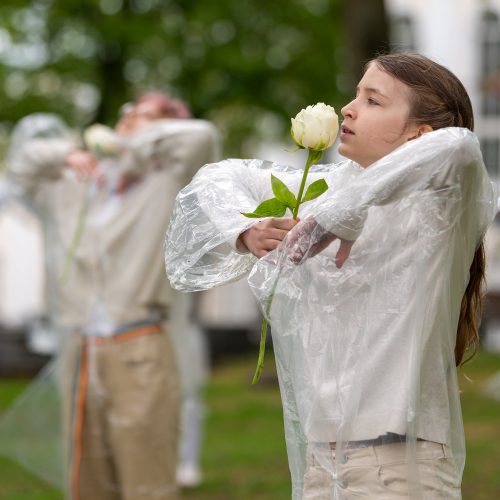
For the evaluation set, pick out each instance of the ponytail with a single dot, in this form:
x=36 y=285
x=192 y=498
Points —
x=471 y=309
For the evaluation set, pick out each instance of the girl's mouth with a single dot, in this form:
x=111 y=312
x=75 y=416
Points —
x=346 y=130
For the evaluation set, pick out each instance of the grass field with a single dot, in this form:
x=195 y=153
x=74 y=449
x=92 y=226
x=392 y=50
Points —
x=244 y=453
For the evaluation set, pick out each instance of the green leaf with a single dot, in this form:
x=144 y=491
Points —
x=315 y=189
x=282 y=193
x=268 y=208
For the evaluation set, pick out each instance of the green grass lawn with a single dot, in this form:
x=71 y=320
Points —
x=244 y=454
x=482 y=430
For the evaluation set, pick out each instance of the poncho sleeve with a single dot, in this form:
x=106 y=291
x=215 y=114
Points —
x=173 y=145
x=200 y=248
x=38 y=160
x=441 y=161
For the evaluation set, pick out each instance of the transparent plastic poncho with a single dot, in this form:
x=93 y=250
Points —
x=365 y=350
x=31 y=429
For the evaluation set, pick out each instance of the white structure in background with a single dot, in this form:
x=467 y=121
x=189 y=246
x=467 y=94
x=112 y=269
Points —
x=21 y=267
x=464 y=35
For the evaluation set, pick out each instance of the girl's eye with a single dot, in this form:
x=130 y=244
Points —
x=372 y=102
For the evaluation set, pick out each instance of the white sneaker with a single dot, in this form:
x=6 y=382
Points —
x=188 y=476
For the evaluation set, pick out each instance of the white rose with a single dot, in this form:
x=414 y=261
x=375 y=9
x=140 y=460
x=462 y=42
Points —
x=315 y=127
x=102 y=140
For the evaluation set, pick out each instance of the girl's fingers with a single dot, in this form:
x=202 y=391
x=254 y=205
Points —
x=273 y=231
x=294 y=236
x=321 y=245
x=343 y=252
x=270 y=244
x=285 y=223
x=276 y=234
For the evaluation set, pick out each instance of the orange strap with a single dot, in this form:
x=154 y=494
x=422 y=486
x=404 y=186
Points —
x=79 y=418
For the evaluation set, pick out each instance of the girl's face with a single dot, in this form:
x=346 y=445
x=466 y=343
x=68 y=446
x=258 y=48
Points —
x=376 y=121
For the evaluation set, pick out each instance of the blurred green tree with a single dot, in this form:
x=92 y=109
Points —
x=248 y=65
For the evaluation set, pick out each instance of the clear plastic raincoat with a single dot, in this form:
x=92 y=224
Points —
x=19 y=185
x=31 y=430
x=365 y=352
x=113 y=392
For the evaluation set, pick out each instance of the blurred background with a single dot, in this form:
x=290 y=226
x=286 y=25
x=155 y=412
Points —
x=247 y=66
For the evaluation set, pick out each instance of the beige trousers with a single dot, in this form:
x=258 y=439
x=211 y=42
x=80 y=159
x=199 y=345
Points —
x=380 y=472
x=124 y=418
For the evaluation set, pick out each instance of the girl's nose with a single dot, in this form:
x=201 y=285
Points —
x=348 y=111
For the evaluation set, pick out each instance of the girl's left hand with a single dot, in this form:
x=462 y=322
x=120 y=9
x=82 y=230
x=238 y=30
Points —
x=308 y=239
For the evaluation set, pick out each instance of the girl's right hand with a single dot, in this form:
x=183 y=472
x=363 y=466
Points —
x=264 y=236
x=310 y=238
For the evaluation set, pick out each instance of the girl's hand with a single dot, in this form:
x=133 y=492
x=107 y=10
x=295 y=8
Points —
x=264 y=236
x=309 y=239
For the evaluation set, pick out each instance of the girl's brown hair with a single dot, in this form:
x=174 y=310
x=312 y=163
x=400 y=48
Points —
x=439 y=99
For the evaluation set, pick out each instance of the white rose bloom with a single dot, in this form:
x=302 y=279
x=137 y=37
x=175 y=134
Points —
x=102 y=140
x=315 y=127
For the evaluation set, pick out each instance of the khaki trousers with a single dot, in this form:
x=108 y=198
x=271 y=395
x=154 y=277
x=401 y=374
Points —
x=380 y=472
x=124 y=418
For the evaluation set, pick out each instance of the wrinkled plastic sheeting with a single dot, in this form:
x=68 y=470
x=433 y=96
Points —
x=31 y=428
x=368 y=348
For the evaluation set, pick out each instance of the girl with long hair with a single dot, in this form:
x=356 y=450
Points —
x=380 y=283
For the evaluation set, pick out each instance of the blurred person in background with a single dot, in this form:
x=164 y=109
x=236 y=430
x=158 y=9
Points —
x=189 y=342
x=188 y=339
x=41 y=147
x=26 y=233
x=118 y=368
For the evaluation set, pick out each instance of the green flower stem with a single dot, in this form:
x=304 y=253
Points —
x=263 y=334
x=77 y=235
x=312 y=157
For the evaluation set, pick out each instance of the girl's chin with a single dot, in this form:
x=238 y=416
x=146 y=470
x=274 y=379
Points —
x=349 y=155
x=344 y=151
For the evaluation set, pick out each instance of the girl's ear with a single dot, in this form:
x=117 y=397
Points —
x=418 y=131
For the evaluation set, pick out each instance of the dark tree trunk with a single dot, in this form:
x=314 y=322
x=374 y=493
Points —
x=112 y=59
x=112 y=85
x=367 y=31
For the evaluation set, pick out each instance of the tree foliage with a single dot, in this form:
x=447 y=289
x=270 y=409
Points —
x=248 y=65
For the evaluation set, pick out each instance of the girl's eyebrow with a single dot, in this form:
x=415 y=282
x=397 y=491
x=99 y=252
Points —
x=372 y=90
